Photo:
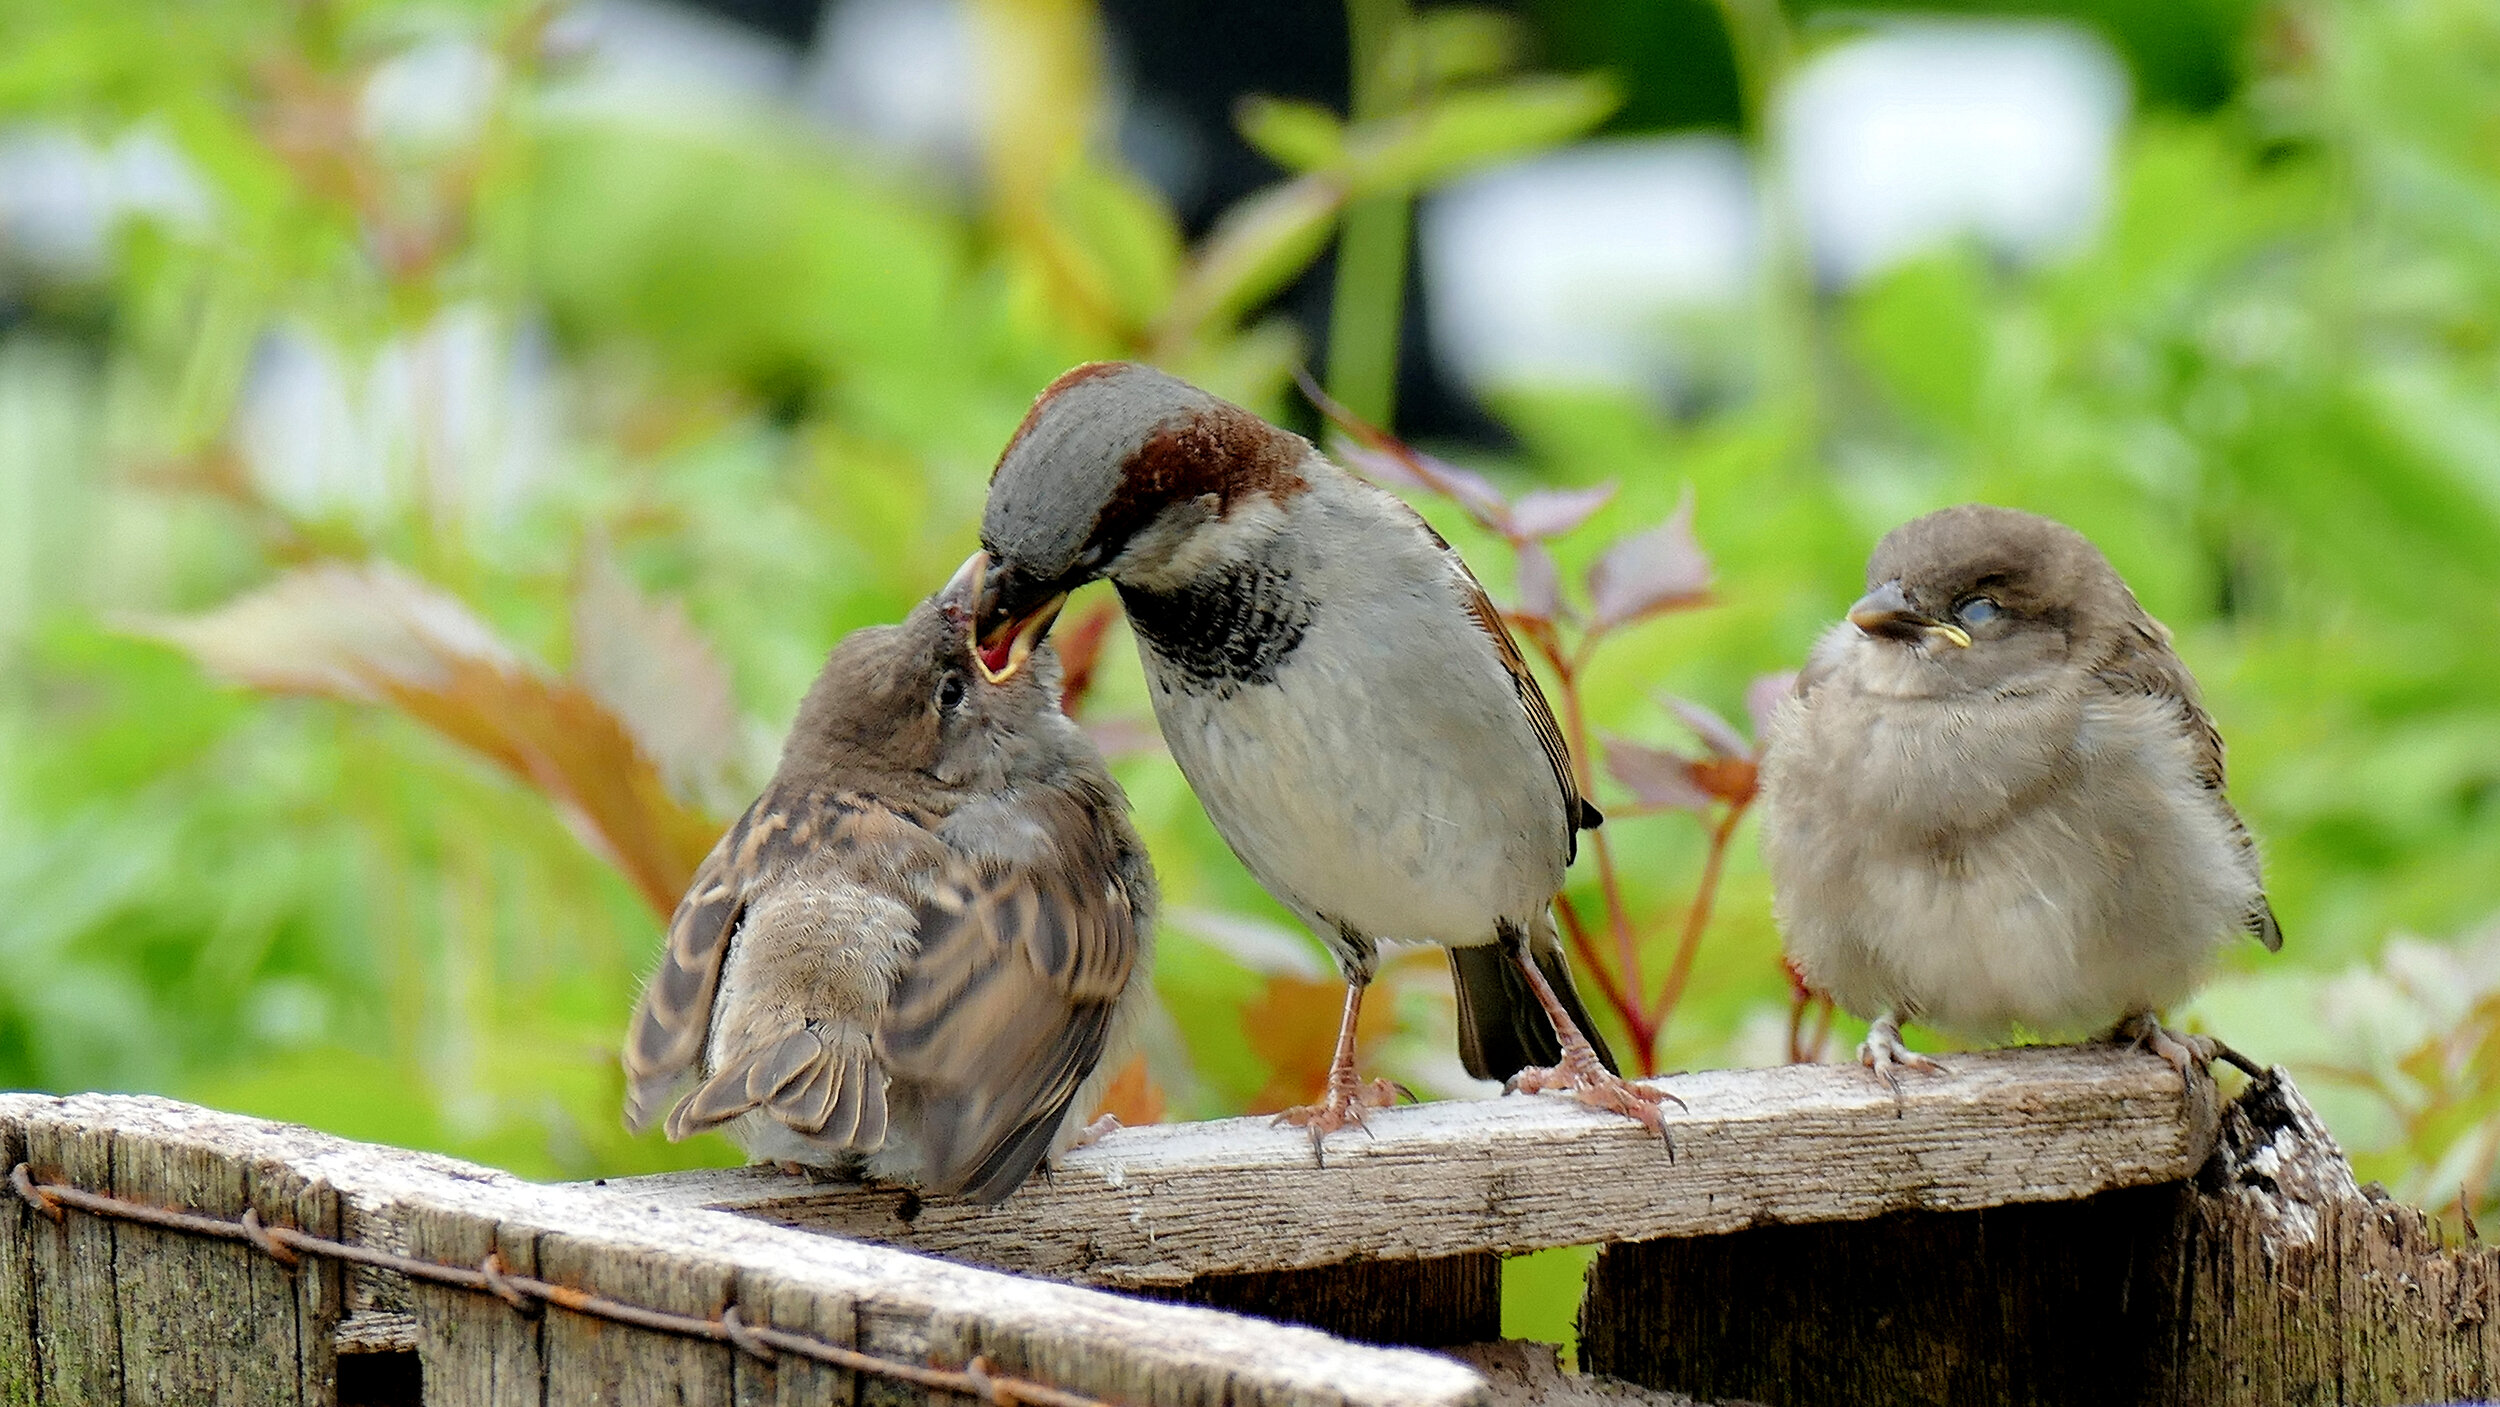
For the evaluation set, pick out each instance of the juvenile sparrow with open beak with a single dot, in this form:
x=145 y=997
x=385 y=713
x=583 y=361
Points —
x=910 y=956
x=1994 y=800
x=1340 y=693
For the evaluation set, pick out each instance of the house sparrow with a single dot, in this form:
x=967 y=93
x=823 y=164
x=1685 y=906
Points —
x=1994 y=801
x=910 y=954
x=1337 y=688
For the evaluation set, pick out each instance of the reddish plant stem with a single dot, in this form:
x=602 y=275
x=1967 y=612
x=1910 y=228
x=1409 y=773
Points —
x=1575 y=930
x=1697 y=918
x=1822 y=1028
x=1626 y=991
x=1805 y=1049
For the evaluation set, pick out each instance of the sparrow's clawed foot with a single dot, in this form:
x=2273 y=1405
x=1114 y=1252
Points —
x=1094 y=1132
x=2187 y=1054
x=1583 y=1078
x=1343 y=1106
x=1883 y=1053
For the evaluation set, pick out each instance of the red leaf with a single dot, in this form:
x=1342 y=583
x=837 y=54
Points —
x=1554 y=512
x=375 y=634
x=1409 y=468
x=1658 y=777
x=1715 y=732
x=1133 y=1097
x=1385 y=457
x=1662 y=569
x=1080 y=650
x=648 y=664
x=1540 y=584
x=1730 y=779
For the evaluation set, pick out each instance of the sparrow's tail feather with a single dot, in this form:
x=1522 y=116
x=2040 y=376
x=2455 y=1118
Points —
x=1502 y=1028
x=2261 y=923
x=832 y=1092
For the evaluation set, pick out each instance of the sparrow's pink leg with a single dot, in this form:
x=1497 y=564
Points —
x=1095 y=1132
x=1883 y=1053
x=1347 y=1096
x=2185 y=1053
x=1580 y=1071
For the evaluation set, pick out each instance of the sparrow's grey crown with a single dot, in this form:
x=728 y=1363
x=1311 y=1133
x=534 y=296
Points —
x=1110 y=450
x=2036 y=568
x=1067 y=465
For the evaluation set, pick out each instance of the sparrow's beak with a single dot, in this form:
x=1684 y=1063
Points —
x=1001 y=646
x=1886 y=613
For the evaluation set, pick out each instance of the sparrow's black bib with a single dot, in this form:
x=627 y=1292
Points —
x=1226 y=629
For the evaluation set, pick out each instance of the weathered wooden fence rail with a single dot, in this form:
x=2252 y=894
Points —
x=2039 y=1226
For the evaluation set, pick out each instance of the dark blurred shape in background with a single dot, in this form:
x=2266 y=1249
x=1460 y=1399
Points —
x=1185 y=66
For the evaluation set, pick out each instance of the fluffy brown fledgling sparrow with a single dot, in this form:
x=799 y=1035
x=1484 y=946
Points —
x=911 y=954
x=1345 y=701
x=1994 y=800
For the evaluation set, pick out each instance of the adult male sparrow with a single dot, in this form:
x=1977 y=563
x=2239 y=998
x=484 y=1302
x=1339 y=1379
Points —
x=911 y=953
x=1994 y=800
x=1337 y=688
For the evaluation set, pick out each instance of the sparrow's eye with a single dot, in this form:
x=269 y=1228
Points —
x=950 y=693
x=1978 y=610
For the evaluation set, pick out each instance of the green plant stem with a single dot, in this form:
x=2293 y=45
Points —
x=1368 y=302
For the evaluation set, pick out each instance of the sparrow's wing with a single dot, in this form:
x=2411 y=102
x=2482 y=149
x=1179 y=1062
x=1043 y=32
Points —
x=2143 y=663
x=1581 y=813
x=1009 y=1004
x=673 y=1020
x=787 y=831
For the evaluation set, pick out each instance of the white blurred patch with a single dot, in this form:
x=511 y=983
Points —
x=627 y=55
x=1573 y=268
x=432 y=97
x=64 y=197
x=458 y=416
x=1934 y=130
x=904 y=76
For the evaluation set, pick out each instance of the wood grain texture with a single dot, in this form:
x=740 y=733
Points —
x=21 y=1369
x=901 y=1305
x=2298 y=1287
x=1802 y=1143
x=2044 y=1304
x=77 y=1333
x=1421 y=1303
x=2269 y=1280
x=130 y=1313
x=473 y=1348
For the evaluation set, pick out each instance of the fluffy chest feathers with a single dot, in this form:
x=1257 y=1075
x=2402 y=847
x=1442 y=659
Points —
x=1350 y=728
x=2050 y=861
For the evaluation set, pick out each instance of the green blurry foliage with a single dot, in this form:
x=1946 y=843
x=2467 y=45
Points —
x=663 y=397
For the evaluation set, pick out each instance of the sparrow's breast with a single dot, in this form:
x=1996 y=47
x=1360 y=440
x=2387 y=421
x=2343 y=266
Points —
x=1355 y=739
x=2049 y=863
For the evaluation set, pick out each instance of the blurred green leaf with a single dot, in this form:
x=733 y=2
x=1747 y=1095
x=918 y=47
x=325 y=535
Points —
x=1257 y=248
x=1297 y=136
x=1472 y=127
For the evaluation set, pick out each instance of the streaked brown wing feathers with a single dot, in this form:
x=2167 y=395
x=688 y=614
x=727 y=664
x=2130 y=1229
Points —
x=1007 y=1008
x=2142 y=663
x=1578 y=813
x=672 y=1022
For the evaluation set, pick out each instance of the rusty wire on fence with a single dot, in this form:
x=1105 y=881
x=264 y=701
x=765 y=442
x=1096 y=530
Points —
x=527 y=1295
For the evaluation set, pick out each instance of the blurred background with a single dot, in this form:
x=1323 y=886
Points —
x=440 y=440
